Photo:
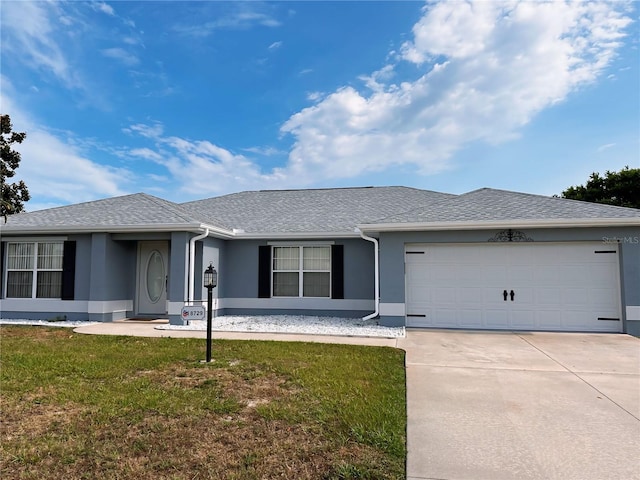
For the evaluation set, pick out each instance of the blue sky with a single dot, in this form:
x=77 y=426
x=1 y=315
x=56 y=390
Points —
x=189 y=100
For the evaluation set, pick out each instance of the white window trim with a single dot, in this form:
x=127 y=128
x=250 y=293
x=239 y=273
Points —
x=34 y=239
x=300 y=271
x=34 y=270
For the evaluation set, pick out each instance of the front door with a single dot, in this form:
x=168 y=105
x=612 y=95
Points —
x=152 y=278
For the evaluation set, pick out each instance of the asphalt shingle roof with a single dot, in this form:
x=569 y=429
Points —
x=129 y=210
x=336 y=210
x=322 y=211
x=489 y=204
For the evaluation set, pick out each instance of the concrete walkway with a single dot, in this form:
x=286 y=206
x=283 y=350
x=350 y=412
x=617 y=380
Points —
x=148 y=329
x=501 y=406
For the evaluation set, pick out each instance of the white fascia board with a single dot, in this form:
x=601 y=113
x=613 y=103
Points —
x=492 y=224
x=175 y=227
x=216 y=231
x=295 y=235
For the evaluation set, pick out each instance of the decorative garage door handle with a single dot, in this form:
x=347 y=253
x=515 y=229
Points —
x=504 y=294
x=512 y=295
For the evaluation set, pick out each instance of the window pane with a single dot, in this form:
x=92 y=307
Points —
x=285 y=284
x=286 y=258
x=20 y=256
x=316 y=258
x=316 y=284
x=19 y=284
x=50 y=256
x=49 y=285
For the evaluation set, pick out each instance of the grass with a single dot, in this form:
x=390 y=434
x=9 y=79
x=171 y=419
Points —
x=84 y=406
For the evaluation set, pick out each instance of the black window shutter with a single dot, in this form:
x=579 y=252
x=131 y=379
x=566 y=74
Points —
x=264 y=271
x=69 y=271
x=337 y=271
x=2 y=274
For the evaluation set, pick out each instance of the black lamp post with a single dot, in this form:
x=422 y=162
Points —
x=210 y=282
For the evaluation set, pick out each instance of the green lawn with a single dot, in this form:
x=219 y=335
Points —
x=85 y=406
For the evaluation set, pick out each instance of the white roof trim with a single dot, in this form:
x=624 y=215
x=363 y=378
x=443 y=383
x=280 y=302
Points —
x=296 y=235
x=149 y=228
x=491 y=224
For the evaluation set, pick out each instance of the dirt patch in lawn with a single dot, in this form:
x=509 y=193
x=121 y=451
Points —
x=237 y=419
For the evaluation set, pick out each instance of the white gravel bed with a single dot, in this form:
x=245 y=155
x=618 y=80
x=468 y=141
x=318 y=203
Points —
x=354 y=327
x=46 y=323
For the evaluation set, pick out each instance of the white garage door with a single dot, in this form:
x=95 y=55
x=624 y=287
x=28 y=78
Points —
x=518 y=286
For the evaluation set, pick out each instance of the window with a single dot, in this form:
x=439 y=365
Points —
x=34 y=270
x=302 y=271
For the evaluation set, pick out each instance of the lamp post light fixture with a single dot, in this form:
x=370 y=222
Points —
x=210 y=282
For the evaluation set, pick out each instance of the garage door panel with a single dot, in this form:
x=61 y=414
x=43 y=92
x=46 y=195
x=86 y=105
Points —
x=493 y=296
x=548 y=297
x=548 y=275
x=575 y=296
x=441 y=272
x=556 y=286
x=603 y=298
x=469 y=276
x=469 y=296
x=496 y=318
x=493 y=275
x=522 y=295
x=470 y=318
x=600 y=271
x=524 y=273
x=445 y=295
x=522 y=319
x=442 y=317
x=549 y=319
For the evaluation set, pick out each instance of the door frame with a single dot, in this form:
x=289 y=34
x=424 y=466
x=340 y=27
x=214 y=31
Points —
x=163 y=246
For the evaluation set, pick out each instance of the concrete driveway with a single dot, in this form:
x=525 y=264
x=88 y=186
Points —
x=522 y=405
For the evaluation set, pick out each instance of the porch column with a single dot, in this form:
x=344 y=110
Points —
x=178 y=275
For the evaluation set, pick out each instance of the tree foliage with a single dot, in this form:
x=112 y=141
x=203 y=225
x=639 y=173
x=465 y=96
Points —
x=13 y=194
x=614 y=188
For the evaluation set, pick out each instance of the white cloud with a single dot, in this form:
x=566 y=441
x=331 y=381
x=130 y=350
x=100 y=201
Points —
x=243 y=19
x=314 y=96
x=264 y=151
x=517 y=60
x=199 y=167
x=54 y=170
x=104 y=8
x=488 y=69
x=602 y=148
x=29 y=35
x=121 y=55
x=275 y=45
x=148 y=131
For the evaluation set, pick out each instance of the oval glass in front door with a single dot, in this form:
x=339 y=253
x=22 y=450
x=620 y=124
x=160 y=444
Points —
x=155 y=276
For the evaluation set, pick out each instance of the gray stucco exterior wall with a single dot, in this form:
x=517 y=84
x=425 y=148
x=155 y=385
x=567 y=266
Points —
x=630 y=281
x=83 y=266
x=113 y=274
x=238 y=282
x=241 y=275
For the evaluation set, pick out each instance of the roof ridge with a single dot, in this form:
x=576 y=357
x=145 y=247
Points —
x=176 y=208
x=547 y=197
x=82 y=203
